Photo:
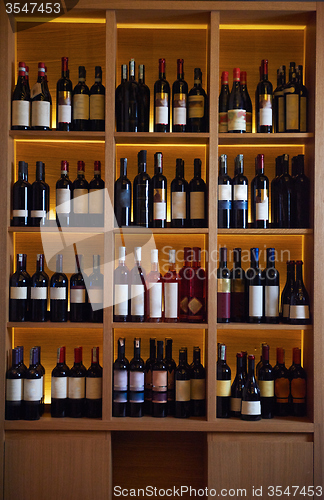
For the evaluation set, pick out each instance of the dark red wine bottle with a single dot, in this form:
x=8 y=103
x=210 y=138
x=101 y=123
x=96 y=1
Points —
x=97 y=103
x=171 y=366
x=224 y=195
x=266 y=385
x=59 y=286
x=120 y=381
x=121 y=101
x=223 y=288
x=240 y=185
x=275 y=206
x=247 y=104
x=20 y=102
x=123 y=196
x=223 y=104
x=148 y=378
x=238 y=296
x=279 y=101
x=179 y=100
x=76 y=385
x=14 y=388
x=255 y=289
x=251 y=399
x=182 y=387
x=41 y=102
x=81 y=103
x=40 y=193
x=132 y=99
x=64 y=99
x=80 y=197
x=59 y=386
x=281 y=384
x=298 y=385
x=301 y=196
x=299 y=310
x=159 y=384
x=121 y=288
x=303 y=101
x=138 y=289
x=143 y=101
x=179 y=197
x=260 y=195
x=271 y=288
x=19 y=293
x=27 y=77
x=94 y=386
x=236 y=106
x=64 y=197
x=285 y=195
x=95 y=292
x=197 y=198
x=42 y=371
x=39 y=292
x=159 y=192
x=136 y=382
x=237 y=387
x=78 y=293
x=97 y=198
x=32 y=387
x=142 y=194
x=161 y=101
x=263 y=101
x=223 y=384
x=197 y=386
x=197 y=105
x=21 y=197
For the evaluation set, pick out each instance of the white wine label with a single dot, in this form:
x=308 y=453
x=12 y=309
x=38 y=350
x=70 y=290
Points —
x=197 y=388
x=38 y=213
x=137 y=300
x=59 y=387
x=64 y=113
x=271 y=301
x=121 y=300
x=179 y=205
x=285 y=311
x=262 y=206
x=236 y=119
x=266 y=388
x=224 y=192
x=196 y=104
x=299 y=312
x=94 y=387
x=58 y=293
x=120 y=380
x=256 y=301
x=77 y=295
x=240 y=192
x=222 y=122
x=63 y=201
x=182 y=390
x=159 y=380
x=20 y=113
x=179 y=109
x=265 y=110
x=292 y=111
x=96 y=201
x=303 y=114
x=171 y=300
x=281 y=114
x=76 y=387
x=236 y=404
x=14 y=389
x=41 y=114
x=197 y=205
x=20 y=213
x=248 y=122
x=38 y=293
x=159 y=204
x=223 y=388
x=33 y=389
x=155 y=296
x=251 y=408
x=81 y=107
x=194 y=305
x=95 y=295
x=80 y=201
x=162 y=108
x=36 y=90
x=136 y=381
x=97 y=107
x=18 y=292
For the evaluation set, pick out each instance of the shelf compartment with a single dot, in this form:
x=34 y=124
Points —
x=49 y=325
x=165 y=231
x=266 y=232
x=161 y=326
x=56 y=229
x=56 y=136
x=255 y=139
x=182 y=138
x=261 y=326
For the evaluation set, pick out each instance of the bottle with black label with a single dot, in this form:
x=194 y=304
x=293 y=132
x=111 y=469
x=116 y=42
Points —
x=59 y=286
x=301 y=196
x=64 y=99
x=120 y=381
x=97 y=103
x=136 y=382
x=237 y=387
x=39 y=292
x=14 y=388
x=123 y=196
x=161 y=101
x=21 y=197
x=179 y=197
x=20 y=103
x=197 y=105
x=78 y=293
x=182 y=387
x=94 y=386
x=142 y=194
x=197 y=198
x=224 y=195
x=97 y=198
x=240 y=187
x=19 y=293
x=275 y=205
x=285 y=195
x=59 y=386
x=197 y=385
x=121 y=288
x=40 y=193
x=41 y=102
x=159 y=384
x=159 y=193
x=223 y=384
x=76 y=386
x=179 y=100
x=251 y=399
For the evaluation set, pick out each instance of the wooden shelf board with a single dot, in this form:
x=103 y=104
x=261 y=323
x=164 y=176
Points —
x=161 y=326
x=168 y=230
x=56 y=135
x=48 y=324
x=55 y=229
x=270 y=231
x=251 y=139
x=181 y=138
x=261 y=326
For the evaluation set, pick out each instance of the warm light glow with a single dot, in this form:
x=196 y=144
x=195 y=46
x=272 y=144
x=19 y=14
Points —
x=162 y=26
x=158 y=144
x=249 y=27
x=278 y=145
x=21 y=19
x=62 y=140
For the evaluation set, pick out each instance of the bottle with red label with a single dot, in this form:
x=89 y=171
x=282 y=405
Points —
x=223 y=104
x=223 y=288
x=236 y=110
x=298 y=390
x=281 y=384
x=197 y=290
x=179 y=100
x=171 y=291
x=184 y=277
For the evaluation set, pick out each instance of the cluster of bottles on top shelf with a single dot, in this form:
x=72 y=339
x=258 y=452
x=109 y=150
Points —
x=80 y=203
x=261 y=392
x=29 y=297
x=79 y=109
x=290 y=195
x=253 y=295
x=158 y=387
x=188 y=200
x=172 y=298
x=281 y=110
x=132 y=102
x=75 y=392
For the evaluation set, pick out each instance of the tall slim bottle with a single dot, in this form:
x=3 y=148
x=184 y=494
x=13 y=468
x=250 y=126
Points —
x=179 y=100
x=59 y=386
x=224 y=195
x=14 y=388
x=271 y=288
x=121 y=288
x=171 y=291
x=81 y=103
x=123 y=196
x=143 y=101
x=291 y=94
x=132 y=91
x=94 y=386
x=260 y=195
x=159 y=384
x=223 y=288
x=255 y=289
x=179 y=197
x=185 y=274
x=279 y=101
x=64 y=197
x=298 y=385
x=301 y=196
x=159 y=192
x=266 y=385
x=299 y=311
x=223 y=384
x=162 y=101
x=64 y=91
x=197 y=386
x=198 y=198
x=285 y=195
x=223 y=104
x=182 y=387
x=136 y=382
x=281 y=384
x=251 y=399
x=121 y=101
x=236 y=106
x=59 y=286
x=78 y=293
x=288 y=291
x=39 y=292
x=142 y=198
x=198 y=113
x=97 y=103
x=154 y=283
x=238 y=296
x=32 y=388
x=247 y=104
x=120 y=382
x=80 y=197
x=303 y=101
x=76 y=386
x=237 y=387
x=97 y=198
x=148 y=378
x=21 y=197
x=171 y=366
x=263 y=101
x=41 y=102
x=275 y=205
x=20 y=102
x=197 y=289
x=19 y=285
x=240 y=185
x=95 y=292
x=40 y=193
x=138 y=289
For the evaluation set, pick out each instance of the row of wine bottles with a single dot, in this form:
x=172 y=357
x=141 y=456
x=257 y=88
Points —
x=132 y=102
x=290 y=195
x=268 y=392
x=172 y=298
x=77 y=204
x=254 y=295
x=75 y=392
x=284 y=110
x=77 y=109
x=188 y=200
x=29 y=296
x=158 y=387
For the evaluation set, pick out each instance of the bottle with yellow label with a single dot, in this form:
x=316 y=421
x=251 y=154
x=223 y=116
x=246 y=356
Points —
x=223 y=384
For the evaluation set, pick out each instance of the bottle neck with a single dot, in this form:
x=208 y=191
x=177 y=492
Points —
x=251 y=367
x=239 y=364
x=154 y=266
x=40 y=263
x=137 y=349
x=21 y=262
x=152 y=349
x=196 y=357
x=59 y=264
x=121 y=349
x=299 y=272
x=168 y=350
x=159 y=351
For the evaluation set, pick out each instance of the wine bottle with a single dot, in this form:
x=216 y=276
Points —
x=81 y=103
x=171 y=291
x=97 y=103
x=247 y=104
x=41 y=368
x=40 y=194
x=254 y=281
x=27 y=78
x=171 y=366
x=198 y=197
x=78 y=293
x=301 y=196
x=236 y=110
x=238 y=296
x=20 y=102
x=263 y=101
x=197 y=105
x=121 y=288
x=97 y=198
x=121 y=101
x=291 y=95
x=240 y=195
x=260 y=195
x=19 y=284
x=64 y=99
x=148 y=378
x=298 y=385
x=59 y=386
x=179 y=197
x=21 y=197
x=224 y=195
x=76 y=386
x=271 y=288
x=251 y=400
x=185 y=275
x=136 y=382
x=154 y=290
x=64 y=197
x=143 y=101
x=275 y=205
x=159 y=193
x=299 y=311
x=223 y=104
x=123 y=196
x=39 y=292
x=266 y=385
x=94 y=386
x=237 y=387
x=159 y=384
x=59 y=285
x=132 y=99
x=138 y=288
x=260 y=363
x=80 y=197
x=142 y=199
x=288 y=291
x=285 y=194
x=281 y=384
x=197 y=386
x=32 y=388
x=14 y=388
x=279 y=101
x=41 y=102
x=303 y=100
x=244 y=369
x=95 y=292
x=120 y=381
x=197 y=289
x=223 y=384
x=223 y=288
x=161 y=101
x=22 y=366
x=179 y=100
x=46 y=89
x=182 y=387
